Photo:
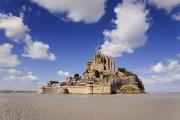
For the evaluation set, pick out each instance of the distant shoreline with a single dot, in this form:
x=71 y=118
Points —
x=33 y=91
x=17 y=91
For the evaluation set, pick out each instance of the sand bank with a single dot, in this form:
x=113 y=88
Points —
x=90 y=107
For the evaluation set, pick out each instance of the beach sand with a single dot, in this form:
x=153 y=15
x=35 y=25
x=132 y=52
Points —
x=31 y=106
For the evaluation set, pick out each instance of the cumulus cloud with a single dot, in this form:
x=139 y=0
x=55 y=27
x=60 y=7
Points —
x=172 y=65
x=16 y=30
x=167 y=5
x=176 y=17
x=62 y=73
x=22 y=78
x=37 y=50
x=10 y=71
x=7 y=59
x=28 y=78
x=161 y=79
x=158 y=68
x=13 y=27
x=169 y=73
x=131 y=24
x=88 y=11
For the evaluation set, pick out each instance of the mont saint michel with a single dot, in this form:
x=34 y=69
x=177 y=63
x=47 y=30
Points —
x=89 y=59
x=100 y=77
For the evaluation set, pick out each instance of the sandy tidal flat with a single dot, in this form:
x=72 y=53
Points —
x=164 y=106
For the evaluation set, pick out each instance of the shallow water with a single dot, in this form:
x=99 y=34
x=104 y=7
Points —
x=30 y=106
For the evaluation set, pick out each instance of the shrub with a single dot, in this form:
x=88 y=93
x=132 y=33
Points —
x=76 y=75
x=129 y=73
x=122 y=70
x=128 y=89
x=139 y=83
x=126 y=72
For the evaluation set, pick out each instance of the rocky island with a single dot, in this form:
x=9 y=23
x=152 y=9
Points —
x=100 y=77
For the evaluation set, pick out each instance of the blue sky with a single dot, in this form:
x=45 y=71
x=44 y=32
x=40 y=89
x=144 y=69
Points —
x=42 y=40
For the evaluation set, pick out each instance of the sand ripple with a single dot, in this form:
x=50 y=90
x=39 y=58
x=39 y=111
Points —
x=84 y=107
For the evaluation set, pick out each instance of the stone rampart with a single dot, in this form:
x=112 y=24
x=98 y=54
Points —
x=88 y=89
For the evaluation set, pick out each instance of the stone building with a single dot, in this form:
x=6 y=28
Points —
x=100 y=77
x=101 y=63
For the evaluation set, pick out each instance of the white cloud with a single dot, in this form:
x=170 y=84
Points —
x=10 y=71
x=169 y=73
x=28 y=78
x=13 y=26
x=88 y=11
x=16 y=30
x=62 y=73
x=172 y=65
x=131 y=24
x=22 y=78
x=167 y=5
x=37 y=50
x=161 y=79
x=158 y=68
x=176 y=17
x=7 y=59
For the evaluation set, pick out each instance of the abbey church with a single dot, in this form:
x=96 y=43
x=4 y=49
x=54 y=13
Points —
x=101 y=63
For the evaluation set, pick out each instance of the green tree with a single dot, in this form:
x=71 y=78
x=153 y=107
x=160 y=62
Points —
x=76 y=75
x=139 y=83
x=126 y=72
x=122 y=70
x=129 y=73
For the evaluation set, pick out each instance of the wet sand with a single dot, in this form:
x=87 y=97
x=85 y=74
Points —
x=30 y=106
